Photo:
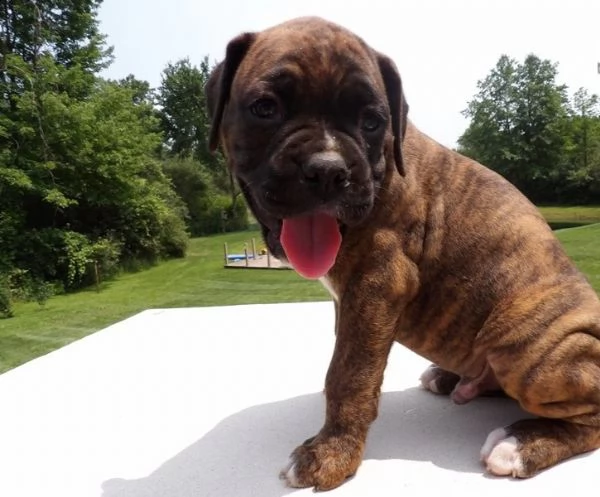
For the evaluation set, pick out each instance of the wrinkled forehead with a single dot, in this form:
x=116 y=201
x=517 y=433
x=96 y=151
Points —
x=315 y=53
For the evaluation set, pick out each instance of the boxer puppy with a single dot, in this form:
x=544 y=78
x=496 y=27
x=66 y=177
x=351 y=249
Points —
x=416 y=243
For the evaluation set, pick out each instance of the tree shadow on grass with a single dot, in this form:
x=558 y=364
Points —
x=562 y=225
x=243 y=454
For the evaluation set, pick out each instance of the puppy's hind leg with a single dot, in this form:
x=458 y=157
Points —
x=460 y=389
x=564 y=390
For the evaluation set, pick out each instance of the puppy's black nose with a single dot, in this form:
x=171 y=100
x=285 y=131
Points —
x=327 y=171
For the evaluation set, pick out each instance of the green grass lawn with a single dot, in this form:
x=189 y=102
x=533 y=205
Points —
x=197 y=280
x=583 y=245
x=200 y=280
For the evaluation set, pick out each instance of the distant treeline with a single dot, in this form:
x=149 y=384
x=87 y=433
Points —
x=526 y=126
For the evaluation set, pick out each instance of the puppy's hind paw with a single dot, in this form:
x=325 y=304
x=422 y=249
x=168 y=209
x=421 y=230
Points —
x=438 y=380
x=501 y=454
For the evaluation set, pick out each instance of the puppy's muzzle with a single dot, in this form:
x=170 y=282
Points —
x=326 y=173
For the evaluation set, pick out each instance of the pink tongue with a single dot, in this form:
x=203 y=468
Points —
x=311 y=243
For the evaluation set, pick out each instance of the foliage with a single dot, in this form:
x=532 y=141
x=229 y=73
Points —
x=181 y=98
x=221 y=215
x=18 y=285
x=524 y=126
x=183 y=112
x=583 y=145
x=199 y=177
x=81 y=183
x=6 y=303
x=209 y=209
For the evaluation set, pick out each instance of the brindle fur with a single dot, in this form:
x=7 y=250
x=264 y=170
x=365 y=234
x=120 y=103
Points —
x=438 y=252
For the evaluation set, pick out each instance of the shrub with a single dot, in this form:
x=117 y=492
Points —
x=6 y=306
x=39 y=291
x=18 y=284
x=237 y=216
x=76 y=257
x=105 y=256
x=173 y=236
x=221 y=215
x=63 y=258
x=209 y=209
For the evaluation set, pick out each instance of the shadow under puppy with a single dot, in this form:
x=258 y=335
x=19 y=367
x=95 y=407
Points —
x=416 y=243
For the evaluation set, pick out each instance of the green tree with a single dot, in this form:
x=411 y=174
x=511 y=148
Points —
x=541 y=113
x=64 y=30
x=200 y=178
x=583 y=145
x=182 y=109
x=517 y=125
x=142 y=93
x=210 y=210
x=184 y=117
x=491 y=135
x=80 y=179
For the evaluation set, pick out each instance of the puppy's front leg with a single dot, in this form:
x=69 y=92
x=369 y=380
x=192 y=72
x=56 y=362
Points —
x=363 y=341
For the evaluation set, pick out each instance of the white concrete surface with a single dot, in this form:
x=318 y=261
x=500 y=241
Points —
x=209 y=403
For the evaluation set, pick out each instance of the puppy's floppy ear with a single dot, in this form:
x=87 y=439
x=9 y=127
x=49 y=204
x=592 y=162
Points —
x=219 y=83
x=398 y=105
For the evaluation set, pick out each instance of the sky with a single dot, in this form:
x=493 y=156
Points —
x=441 y=47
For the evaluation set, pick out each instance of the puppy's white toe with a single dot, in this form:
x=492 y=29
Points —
x=288 y=474
x=501 y=455
x=428 y=379
x=491 y=441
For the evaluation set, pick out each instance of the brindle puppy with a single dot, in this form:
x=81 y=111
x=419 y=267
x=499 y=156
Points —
x=416 y=243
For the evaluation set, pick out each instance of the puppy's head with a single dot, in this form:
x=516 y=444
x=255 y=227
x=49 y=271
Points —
x=310 y=119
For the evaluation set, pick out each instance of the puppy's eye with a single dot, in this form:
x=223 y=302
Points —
x=265 y=108
x=370 y=122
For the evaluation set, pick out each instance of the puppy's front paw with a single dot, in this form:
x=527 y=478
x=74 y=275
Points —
x=323 y=462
